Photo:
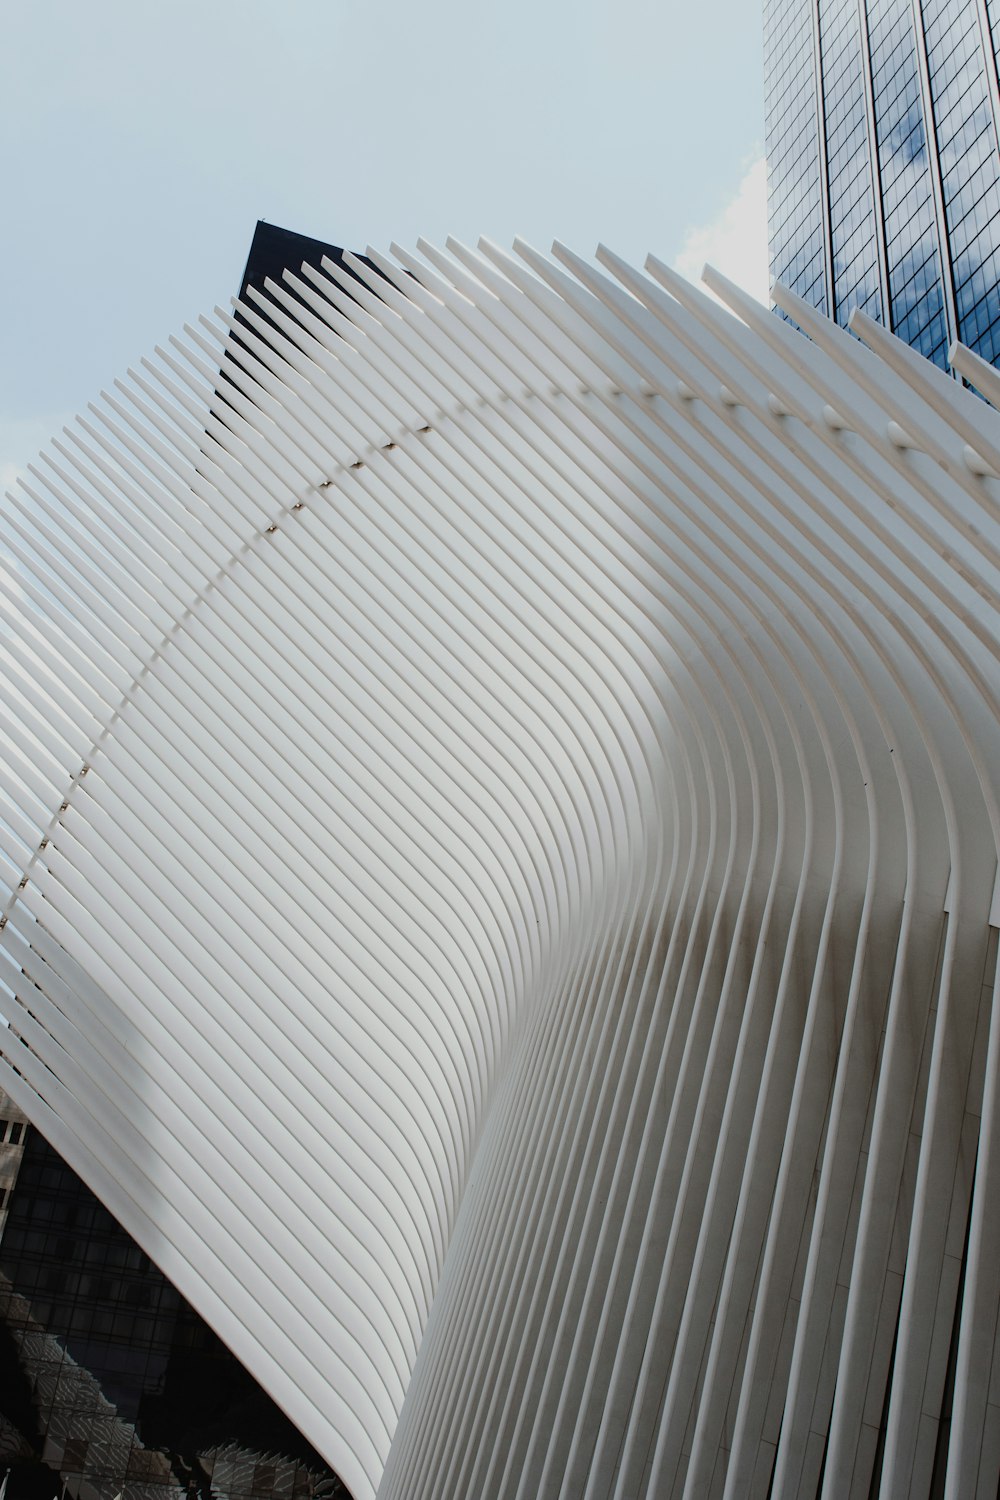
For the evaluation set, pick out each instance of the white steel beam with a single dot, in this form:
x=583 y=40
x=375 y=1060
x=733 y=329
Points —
x=500 y=833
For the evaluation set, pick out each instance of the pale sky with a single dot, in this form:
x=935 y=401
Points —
x=142 y=141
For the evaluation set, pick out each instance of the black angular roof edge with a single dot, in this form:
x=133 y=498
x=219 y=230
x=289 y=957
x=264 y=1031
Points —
x=273 y=251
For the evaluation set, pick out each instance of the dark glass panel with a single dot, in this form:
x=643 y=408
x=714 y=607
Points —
x=128 y=1389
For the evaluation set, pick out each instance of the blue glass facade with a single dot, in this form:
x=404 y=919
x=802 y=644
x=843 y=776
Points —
x=916 y=289
x=793 y=163
x=884 y=183
x=849 y=181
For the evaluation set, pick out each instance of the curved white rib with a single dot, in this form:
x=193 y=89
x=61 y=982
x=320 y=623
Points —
x=500 y=833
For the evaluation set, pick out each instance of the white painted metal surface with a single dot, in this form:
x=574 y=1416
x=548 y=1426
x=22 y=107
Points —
x=500 y=832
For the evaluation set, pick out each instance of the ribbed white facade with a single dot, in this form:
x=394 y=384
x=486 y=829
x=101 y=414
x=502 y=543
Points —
x=500 y=836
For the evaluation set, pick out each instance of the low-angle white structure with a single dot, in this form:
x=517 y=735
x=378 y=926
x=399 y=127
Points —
x=500 y=836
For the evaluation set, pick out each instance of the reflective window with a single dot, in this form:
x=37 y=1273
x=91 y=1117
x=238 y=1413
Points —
x=965 y=136
x=795 y=211
x=852 y=209
x=916 y=296
x=962 y=134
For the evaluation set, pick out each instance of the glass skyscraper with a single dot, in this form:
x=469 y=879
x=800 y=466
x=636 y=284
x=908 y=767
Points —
x=883 y=147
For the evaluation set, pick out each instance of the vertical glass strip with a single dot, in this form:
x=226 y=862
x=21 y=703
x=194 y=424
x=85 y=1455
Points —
x=916 y=296
x=993 y=12
x=794 y=201
x=970 y=168
x=852 y=207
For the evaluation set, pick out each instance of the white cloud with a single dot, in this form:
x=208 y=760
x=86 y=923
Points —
x=735 y=242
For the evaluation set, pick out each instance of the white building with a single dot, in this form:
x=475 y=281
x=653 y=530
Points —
x=501 y=848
